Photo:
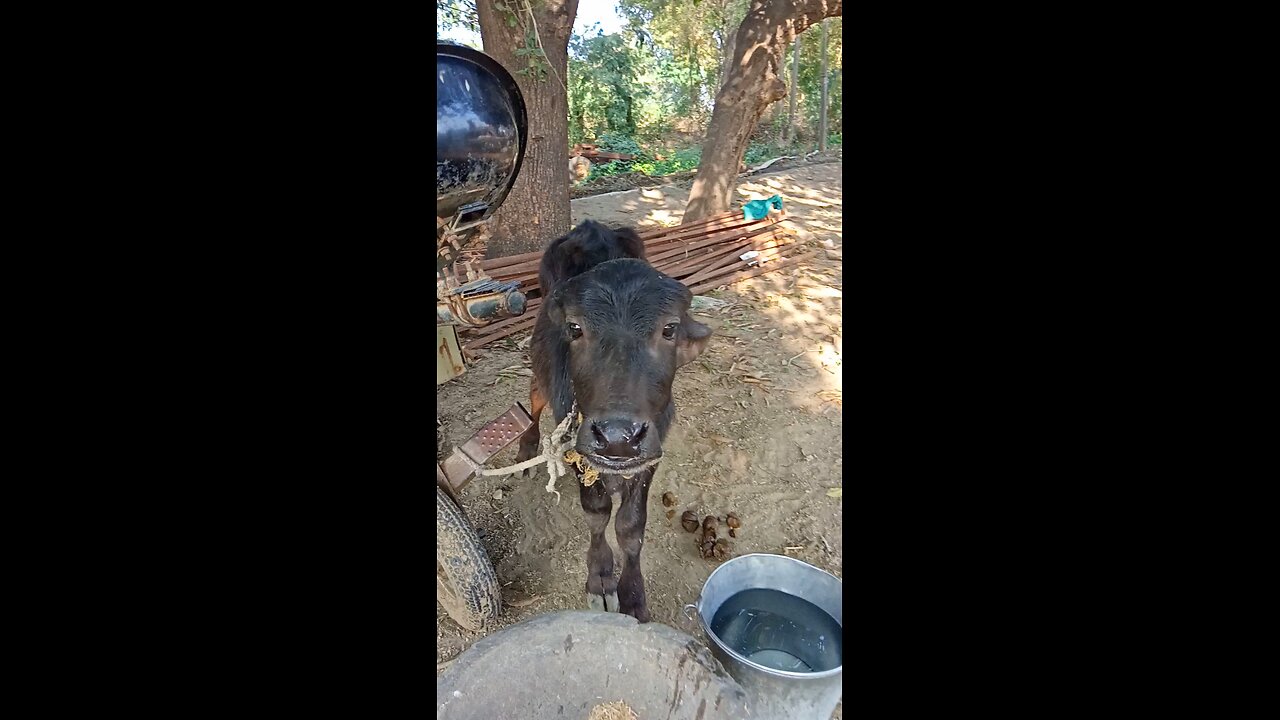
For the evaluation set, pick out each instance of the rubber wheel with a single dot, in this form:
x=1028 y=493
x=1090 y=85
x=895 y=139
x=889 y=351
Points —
x=466 y=586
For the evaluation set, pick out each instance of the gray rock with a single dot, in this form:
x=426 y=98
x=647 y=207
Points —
x=562 y=664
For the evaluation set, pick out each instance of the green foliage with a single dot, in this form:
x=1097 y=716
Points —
x=688 y=40
x=451 y=14
x=619 y=143
x=652 y=85
x=810 y=80
x=606 y=90
x=680 y=161
x=758 y=153
x=519 y=13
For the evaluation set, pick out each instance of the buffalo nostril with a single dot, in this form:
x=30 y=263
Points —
x=618 y=437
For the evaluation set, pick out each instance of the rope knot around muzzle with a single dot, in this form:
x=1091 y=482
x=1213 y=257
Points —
x=557 y=450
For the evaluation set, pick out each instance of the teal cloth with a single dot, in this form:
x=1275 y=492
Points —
x=759 y=209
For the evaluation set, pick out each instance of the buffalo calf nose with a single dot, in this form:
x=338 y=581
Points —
x=619 y=437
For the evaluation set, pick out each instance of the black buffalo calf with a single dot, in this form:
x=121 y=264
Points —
x=611 y=332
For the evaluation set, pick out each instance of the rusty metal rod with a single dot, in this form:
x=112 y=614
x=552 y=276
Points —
x=536 y=255
x=761 y=247
x=652 y=241
x=766 y=268
x=718 y=239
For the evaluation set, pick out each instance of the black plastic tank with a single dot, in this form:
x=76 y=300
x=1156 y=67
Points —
x=481 y=131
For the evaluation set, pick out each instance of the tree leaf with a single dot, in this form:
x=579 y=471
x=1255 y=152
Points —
x=835 y=492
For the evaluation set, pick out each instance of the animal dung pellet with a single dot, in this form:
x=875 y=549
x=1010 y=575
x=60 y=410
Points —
x=733 y=532
x=671 y=514
x=709 y=533
x=721 y=549
x=668 y=500
x=689 y=521
x=707 y=549
x=733 y=522
x=709 y=522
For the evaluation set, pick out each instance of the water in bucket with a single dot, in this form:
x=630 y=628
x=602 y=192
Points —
x=779 y=631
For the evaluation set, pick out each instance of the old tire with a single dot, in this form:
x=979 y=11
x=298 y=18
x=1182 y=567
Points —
x=466 y=586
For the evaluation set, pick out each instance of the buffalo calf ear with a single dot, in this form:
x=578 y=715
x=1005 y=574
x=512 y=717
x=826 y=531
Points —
x=555 y=308
x=693 y=342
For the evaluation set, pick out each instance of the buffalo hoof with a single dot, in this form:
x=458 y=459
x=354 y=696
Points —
x=603 y=603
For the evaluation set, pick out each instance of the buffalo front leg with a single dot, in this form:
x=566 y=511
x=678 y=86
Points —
x=529 y=440
x=602 y=587
x=629 y=525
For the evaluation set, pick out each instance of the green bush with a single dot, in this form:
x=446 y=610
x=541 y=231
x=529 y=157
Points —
x=619 y=143
x=679 y=161
x=608 y=170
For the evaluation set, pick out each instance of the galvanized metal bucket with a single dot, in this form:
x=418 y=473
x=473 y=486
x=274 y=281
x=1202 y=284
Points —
x=775 y=693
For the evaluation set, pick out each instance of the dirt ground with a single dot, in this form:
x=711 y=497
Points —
x=758 y=428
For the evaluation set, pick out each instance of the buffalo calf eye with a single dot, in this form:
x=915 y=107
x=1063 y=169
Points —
x=575 y=330
x=669 y=330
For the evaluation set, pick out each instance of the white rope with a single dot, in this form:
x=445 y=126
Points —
x=552 y=451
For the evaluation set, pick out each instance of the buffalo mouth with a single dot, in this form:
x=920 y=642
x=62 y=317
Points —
x=606 y=463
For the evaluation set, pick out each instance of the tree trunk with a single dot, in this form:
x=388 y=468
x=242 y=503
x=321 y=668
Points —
x=795 y=74
x=537 y=210
x=726 y=62
x=753 y=83
x=822 y=123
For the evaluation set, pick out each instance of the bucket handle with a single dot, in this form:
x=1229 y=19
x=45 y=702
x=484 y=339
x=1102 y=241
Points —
x=691 y=618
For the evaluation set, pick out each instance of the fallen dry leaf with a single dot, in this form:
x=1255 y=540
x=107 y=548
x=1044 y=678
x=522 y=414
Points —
x=835 y=492
x=526 y=602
